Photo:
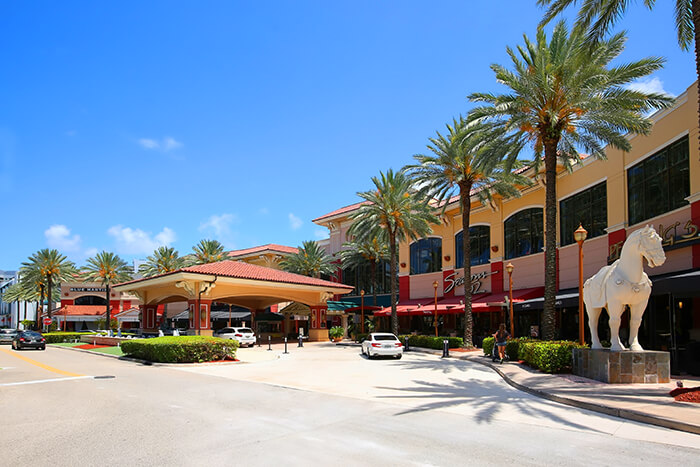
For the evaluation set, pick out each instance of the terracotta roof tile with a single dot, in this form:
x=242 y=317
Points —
x=262 y=248
x=343 y=210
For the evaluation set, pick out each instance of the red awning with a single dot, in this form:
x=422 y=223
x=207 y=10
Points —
x=455 y=304
x=493 y=302
x=405 y=306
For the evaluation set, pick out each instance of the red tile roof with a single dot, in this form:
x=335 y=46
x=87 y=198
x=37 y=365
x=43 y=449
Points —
x=241 y=270
x=82 y=310
x=259 y=249
x=337 y=212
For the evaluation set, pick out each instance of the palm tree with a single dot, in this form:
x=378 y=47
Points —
x=310 y=260
x=564 y=96
x=13 y=293
x=395 y=212
x=107 y=269
x=465 y=162
x=208 y=251
x=358 y=254
x=600 y=15
x=46 y=267
x=163 y=260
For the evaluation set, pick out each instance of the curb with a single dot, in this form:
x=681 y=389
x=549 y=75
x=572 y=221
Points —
x=143 y=362
x=604 y=409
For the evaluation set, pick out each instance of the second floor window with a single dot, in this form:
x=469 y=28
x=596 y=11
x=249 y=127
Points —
x=524 y=233
x=426 y=255
x=479 y=239
x=589 y=209
x=660 y=183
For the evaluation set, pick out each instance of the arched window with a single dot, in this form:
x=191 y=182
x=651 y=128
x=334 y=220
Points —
x=426 y=255
x=523 y=232
x=479 y=239
x=90 y=300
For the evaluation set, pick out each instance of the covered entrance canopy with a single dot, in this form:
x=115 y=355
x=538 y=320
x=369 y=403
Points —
x=234 y=282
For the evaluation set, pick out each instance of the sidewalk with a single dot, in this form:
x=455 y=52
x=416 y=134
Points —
x=647 y=403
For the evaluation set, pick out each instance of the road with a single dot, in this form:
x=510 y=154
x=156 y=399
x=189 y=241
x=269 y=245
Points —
x=318 y=405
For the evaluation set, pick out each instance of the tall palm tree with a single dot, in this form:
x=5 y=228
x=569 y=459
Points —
x=107 y=269
x=598 y=16
x=466 y=162
x=358 y=254
x=163 y=260
x=208 y=251
x=48 y=267
x=395 y=212
x=310 y=260
x=565 y=97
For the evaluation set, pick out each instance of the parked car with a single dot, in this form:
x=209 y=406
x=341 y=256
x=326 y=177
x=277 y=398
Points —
x=29 y=339
x=244 y=336
x=6 y=335
x=382 y=344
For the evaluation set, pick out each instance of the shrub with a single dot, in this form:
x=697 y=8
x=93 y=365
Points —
x=57 y=337
x=487 y=345
x=360 y=336
x=336 y=331
x=432 y=342
x=549 y=356
x=181 y=349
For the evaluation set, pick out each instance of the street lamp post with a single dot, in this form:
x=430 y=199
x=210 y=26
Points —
x=362 y=311
x=435 y=286
x=580 y=235
x=509 y=268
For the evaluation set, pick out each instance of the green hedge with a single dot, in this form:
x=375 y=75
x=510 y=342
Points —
x=487 y=345
x=549 y=356
x=57 y=337
x=432 y=342
x=181 y=349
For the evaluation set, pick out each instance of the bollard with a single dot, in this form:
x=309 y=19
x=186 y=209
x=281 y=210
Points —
x=269 y=342
x=301 y=341
x=445 y=348
x=285 y=345
x=405 y=344
x=258 y=340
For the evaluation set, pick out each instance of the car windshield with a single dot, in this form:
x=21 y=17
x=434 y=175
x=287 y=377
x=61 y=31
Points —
x=245 y=330
x=385 y=338
x=7 y=331
x=225 y=330
x=31 y=334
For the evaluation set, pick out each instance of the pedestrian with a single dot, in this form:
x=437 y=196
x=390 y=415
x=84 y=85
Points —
x=501 y=337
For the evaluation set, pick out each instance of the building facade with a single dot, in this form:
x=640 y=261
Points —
x=656 y=183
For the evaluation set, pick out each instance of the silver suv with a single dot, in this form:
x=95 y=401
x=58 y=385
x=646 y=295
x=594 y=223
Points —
x=6 y=335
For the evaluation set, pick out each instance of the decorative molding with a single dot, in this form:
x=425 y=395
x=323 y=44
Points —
x=188 y=287
x=616 y=227
x=205 y=288
x=325 y=296
x=693 y=198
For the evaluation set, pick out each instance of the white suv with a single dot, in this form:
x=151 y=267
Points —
x=244 y=336
x=382 y=343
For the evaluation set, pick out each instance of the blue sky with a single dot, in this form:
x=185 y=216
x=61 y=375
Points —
x=129 y=125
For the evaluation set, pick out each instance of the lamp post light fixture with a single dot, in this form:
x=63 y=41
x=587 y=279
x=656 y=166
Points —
x=580 y=235
x=509 y=268
x=435 y=286
x=362 y=311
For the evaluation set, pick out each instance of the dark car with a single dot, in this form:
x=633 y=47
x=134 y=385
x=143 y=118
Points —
x=7 y=335
x=29 y=339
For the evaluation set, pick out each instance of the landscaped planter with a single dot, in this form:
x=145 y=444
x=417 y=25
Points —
x=102 y=340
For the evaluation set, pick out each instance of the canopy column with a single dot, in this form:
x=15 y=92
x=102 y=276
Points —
x=149 y=318
x=200 y=319
x=317 y=331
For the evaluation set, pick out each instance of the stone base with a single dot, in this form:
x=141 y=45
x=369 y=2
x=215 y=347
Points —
x=627 y=366
x=318 y=335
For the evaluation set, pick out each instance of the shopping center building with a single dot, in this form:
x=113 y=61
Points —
x=657 y=183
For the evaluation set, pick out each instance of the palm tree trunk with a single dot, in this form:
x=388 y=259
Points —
x=465 y=203
x=550 y=258
x=696 y=24
x=392 y=269
x=40 y=308
x=107 y=313
x=49 y=292
x=373 y=272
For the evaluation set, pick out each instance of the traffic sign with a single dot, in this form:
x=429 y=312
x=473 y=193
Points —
x=47 y=321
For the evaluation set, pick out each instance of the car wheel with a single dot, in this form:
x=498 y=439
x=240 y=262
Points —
x=369 y=354
x=398 y=357
x=43 y=347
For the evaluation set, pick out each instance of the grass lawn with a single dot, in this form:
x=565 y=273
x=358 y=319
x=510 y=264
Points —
x=68 y=344
x=109 y=350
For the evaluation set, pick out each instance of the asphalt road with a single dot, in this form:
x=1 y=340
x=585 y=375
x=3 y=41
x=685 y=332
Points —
x=318 y=405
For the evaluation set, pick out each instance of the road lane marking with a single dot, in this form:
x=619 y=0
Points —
x=41 y=365
x=45 y=381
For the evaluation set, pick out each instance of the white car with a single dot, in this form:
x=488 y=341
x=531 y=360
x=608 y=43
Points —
x=382 y=344
x=244 y=336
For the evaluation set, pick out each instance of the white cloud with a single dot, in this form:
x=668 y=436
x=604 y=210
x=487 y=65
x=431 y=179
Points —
x=219 y=225
x=136 y=241
x=321 y=233
x=58 y=236
x=294 y=222
x=167 y=144
x=649 y=85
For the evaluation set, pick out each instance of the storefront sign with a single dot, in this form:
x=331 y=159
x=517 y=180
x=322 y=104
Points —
x=88 y=289
x=452 y=281
x=673 y=236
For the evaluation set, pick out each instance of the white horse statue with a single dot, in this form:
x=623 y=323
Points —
x=623 y=283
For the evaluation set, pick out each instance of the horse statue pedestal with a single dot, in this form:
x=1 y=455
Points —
x=627 y=366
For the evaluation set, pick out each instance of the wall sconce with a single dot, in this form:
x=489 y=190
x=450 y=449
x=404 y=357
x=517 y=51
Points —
x=494 y=248
x=403 y=265
x=447 y=257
